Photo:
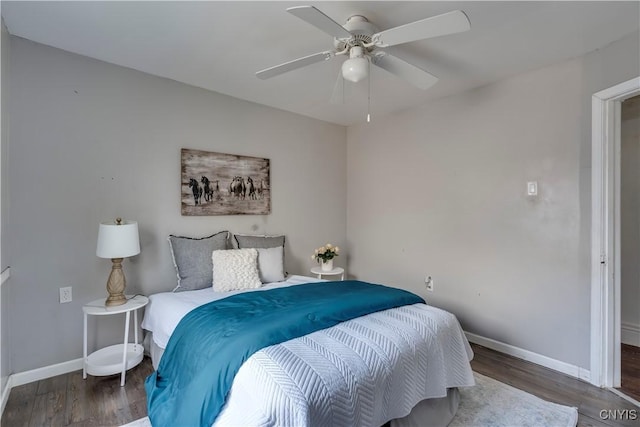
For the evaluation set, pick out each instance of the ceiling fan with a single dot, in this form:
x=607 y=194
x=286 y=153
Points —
x=362 y=42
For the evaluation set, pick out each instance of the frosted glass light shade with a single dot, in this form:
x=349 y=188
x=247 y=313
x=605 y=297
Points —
x=355 y=69
x=118 y=240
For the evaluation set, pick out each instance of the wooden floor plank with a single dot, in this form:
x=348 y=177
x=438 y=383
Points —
x=631 y=371
x=76 y=404
x=39 y=413
x=19 y=406
x=68 y=400
x=107 y=400
x=56 y=404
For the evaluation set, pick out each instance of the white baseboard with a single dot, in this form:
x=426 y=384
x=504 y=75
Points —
x=45 y=372
x=631 y=334
x=547 y=362
x=5 y=395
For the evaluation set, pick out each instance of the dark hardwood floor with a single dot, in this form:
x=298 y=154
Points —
x=555 y=387
x=68 y=400
x=631 y=371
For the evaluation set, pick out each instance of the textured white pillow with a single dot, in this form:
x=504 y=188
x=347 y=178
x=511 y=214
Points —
x=235 y=269
x=271 y=264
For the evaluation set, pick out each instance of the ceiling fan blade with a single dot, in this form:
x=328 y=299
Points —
x=409 y=72
x=319 y=20
x=439 y=25
x=293 y=65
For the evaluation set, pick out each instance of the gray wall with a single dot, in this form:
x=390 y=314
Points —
x=630 y=217
x=448 y=199
x=4 y=128
x=91 y=141
x=5 y=366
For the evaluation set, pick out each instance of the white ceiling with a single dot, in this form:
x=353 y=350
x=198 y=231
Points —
x=220 y=45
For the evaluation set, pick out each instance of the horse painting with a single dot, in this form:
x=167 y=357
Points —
x=208 y=189
x=223 y=184
x=196 y=189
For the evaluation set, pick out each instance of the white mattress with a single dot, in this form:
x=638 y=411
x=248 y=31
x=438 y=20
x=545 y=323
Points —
x=166 y=309
x=363 y=372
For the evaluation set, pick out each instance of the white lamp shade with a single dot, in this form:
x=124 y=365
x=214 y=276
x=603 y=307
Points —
x=355 y=69
x=118 y=240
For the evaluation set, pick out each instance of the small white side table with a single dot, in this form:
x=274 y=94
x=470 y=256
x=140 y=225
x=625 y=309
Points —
x=336 y=271
x=120 y=357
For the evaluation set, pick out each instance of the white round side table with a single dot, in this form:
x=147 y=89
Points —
x=320 y=272
x=115 y=358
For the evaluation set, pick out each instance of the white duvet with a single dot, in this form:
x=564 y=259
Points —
x=363 y=372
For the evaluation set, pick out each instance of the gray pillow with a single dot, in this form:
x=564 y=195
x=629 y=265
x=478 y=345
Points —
x=192 y=259
x=266 y=264
x=252 y=241
x=271 y=264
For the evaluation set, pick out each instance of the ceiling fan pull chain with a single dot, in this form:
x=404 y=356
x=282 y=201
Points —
x=369 y=94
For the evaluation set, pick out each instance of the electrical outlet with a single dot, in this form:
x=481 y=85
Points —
x=428 y=282
x=65 y=295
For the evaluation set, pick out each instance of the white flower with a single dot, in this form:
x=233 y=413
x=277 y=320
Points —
x=325 y=253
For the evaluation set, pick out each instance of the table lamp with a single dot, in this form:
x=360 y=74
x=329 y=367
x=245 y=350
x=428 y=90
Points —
x=117 y=240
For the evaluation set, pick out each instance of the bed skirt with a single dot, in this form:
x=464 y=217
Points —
x=432 y=412
x=151 y=349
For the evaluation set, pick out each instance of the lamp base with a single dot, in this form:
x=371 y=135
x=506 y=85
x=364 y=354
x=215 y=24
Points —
x=116 y=284
x=115 y=300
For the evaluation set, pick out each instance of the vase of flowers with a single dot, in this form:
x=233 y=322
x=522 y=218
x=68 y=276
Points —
x=325 y=255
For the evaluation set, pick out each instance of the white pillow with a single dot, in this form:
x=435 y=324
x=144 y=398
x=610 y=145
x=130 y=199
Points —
x=271 y=264
x=235 y=269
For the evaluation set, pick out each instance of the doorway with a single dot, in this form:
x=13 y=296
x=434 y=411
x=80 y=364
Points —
x=630 y=246
x=605 y=233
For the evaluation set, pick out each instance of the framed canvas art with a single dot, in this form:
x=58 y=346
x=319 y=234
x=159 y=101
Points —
x=224 y=184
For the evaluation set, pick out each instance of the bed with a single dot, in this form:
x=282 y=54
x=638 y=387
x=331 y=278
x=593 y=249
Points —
x=402 y=365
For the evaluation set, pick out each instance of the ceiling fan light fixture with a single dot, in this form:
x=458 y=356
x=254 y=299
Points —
x=362 y=41
x=356 y=67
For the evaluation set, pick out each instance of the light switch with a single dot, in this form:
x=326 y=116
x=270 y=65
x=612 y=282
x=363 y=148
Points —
x=532 y=188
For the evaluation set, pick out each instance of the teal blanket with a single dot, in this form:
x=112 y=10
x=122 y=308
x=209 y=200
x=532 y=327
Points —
x=212 y=341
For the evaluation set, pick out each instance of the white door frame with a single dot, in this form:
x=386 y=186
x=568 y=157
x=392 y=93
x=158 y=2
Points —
x=605 y=232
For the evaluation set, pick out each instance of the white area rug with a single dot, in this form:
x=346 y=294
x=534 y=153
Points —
x=494 y=404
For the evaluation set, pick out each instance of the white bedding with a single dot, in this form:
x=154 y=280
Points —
x=166 y=309
x=363 y=372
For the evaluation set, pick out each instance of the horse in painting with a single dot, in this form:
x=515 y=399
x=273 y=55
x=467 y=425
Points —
x=197 y=191
x=208 y=189
x=251 y=188
x=237 y=187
